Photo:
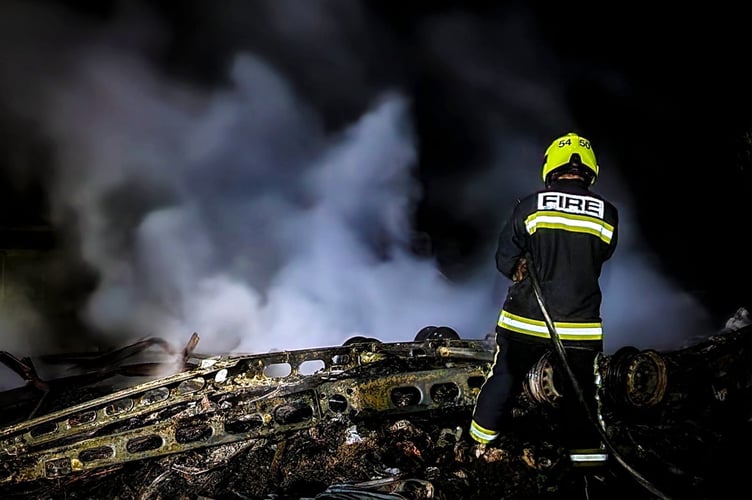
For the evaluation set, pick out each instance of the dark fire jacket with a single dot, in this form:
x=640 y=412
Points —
x=570 y=232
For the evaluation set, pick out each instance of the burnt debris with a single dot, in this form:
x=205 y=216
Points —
x=369 y=420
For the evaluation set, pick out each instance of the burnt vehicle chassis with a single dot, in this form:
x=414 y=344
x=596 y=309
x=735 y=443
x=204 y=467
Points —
x=369 y=418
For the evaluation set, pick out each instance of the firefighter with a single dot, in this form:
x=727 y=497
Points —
x=567 y=232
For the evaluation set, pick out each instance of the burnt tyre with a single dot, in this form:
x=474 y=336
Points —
x=436 y=333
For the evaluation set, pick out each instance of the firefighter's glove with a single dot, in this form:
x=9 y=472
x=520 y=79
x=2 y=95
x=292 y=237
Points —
x=520 y=271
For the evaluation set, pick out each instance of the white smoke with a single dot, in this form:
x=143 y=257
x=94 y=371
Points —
x=249 y=225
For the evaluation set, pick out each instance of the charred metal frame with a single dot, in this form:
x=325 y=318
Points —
x=224 y=399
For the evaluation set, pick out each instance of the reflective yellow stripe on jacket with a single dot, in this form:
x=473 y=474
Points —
x=537 y=328
x=552 y=219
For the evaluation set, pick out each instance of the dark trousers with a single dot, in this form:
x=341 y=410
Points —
x=515 y=356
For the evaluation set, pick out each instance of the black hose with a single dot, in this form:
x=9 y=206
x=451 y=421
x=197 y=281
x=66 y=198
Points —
x=561 y=352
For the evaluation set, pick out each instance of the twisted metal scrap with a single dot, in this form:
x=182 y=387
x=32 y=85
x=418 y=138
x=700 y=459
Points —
x=218 y=400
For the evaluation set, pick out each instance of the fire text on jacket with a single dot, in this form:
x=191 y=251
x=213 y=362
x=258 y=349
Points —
x=571 y=203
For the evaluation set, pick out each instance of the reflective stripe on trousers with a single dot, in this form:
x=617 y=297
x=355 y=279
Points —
x=538 y=328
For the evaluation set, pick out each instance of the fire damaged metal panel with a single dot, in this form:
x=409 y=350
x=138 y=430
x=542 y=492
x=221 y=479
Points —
x=405 y=392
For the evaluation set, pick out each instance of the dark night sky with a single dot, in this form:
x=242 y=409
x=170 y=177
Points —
x=487 y=85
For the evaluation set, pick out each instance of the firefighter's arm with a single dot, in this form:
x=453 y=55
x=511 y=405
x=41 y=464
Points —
x=510 y=248
x=615 y=234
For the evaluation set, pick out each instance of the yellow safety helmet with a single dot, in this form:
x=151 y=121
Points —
x=570 y=150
